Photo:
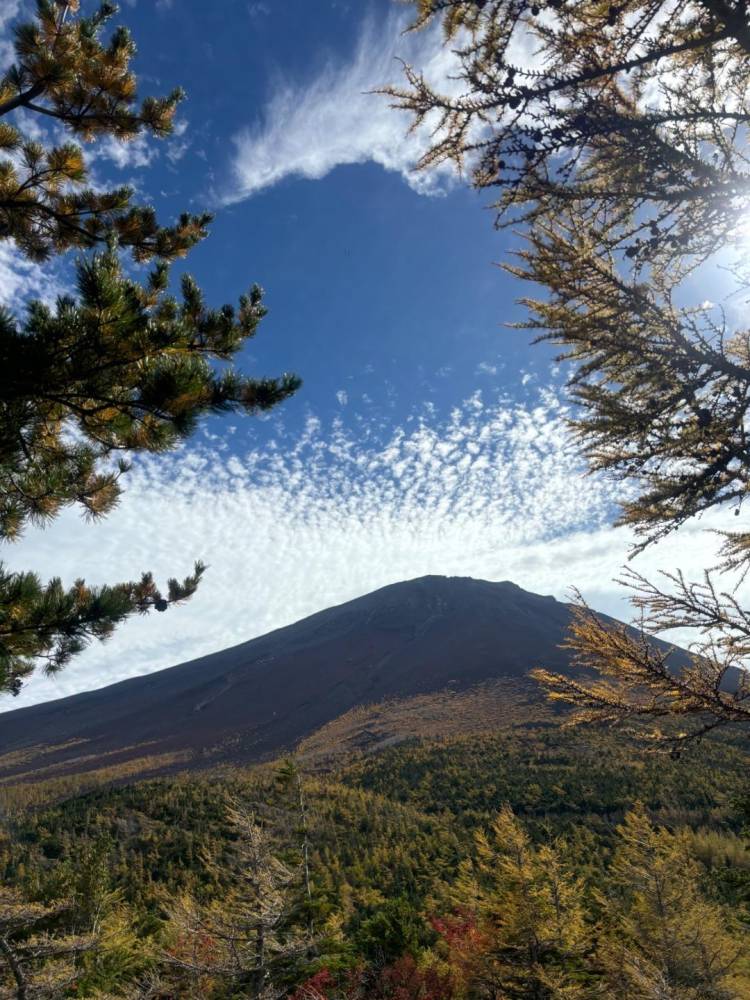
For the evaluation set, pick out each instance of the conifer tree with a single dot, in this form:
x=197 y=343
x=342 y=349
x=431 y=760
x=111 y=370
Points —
x=36 y=961
x=526 y=934
x=289 y=777
x=64 y=71
x=616 y=132
x=244 y=938
x=636 y=107
x=664 y=938
x=117 y=368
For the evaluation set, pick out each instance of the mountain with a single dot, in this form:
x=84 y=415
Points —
x=259 y=698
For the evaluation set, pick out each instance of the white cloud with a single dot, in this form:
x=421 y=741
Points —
x=29 y=122
x=125 y=154
x=308 y=129
x=178 y=144
x=494 y=491
x=486 y=368
x=22 y=279
x=141 y=151
x=9 y=10
x=343 y=397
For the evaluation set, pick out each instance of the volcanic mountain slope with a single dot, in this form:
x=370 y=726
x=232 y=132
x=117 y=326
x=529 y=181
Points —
x=255 y=700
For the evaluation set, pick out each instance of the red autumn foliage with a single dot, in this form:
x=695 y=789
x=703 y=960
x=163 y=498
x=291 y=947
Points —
x=403 y=980
x=317 y=987
x=457 y=929
x=464 y=941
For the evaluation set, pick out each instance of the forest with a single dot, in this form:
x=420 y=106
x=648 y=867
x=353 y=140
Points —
x=528 y=865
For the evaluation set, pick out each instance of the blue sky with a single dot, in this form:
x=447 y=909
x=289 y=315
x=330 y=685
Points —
x=372 y=288
x=427 y=438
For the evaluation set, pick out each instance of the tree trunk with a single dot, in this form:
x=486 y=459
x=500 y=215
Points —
x=15 y=968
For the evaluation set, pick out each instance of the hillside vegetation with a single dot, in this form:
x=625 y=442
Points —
x=393 y=840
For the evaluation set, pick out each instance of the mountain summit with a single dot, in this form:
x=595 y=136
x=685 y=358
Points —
x=261 y=697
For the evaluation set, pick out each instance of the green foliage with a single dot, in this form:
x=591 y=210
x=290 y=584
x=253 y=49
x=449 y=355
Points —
x=415 y=855
x=46 y=622
x=394 y=929
x=128 y=367
x=554 y=777
x=64 y=70
x=665 y=936
x=121 y=367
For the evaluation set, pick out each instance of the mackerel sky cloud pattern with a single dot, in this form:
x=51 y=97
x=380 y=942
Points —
x=316 y=517
x=381 y=299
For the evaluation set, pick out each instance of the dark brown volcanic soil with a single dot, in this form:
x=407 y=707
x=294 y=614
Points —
x=263 y=696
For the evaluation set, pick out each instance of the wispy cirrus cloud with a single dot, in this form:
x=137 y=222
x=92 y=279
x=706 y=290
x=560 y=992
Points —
x=309 y=128
x=315 y=518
